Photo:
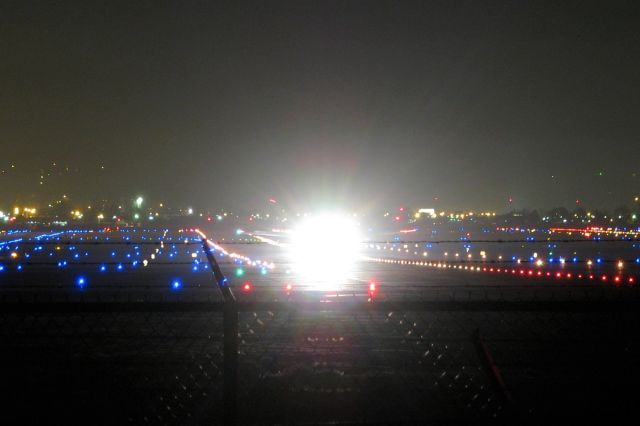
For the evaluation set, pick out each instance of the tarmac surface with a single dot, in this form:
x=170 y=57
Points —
x=441 y=344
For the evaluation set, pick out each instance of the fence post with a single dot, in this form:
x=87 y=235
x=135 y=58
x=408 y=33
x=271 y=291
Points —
x=230 y=323
x=230 y=340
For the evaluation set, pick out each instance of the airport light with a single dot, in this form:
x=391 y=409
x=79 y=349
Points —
x=81 y=282
x=324 y=249
x=373 y=289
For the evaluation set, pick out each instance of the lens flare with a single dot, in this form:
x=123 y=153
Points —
x=324 y=250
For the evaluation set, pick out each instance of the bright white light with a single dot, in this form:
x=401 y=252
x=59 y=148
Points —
x=324 y=250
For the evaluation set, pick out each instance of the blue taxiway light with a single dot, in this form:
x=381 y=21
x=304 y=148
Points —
x=81 y=282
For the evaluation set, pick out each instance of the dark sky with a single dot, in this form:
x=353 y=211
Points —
x=364 y=103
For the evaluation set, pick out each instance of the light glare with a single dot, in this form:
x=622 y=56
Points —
x=324 y=250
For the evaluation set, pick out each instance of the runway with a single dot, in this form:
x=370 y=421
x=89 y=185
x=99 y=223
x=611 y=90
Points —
x=118 y=318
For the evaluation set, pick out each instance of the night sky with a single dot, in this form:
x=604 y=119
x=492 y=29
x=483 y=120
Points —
x=451 y=104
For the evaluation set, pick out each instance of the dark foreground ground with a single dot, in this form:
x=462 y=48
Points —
x=434 y=346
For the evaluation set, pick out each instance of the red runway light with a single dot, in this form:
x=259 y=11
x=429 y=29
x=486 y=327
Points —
x=247 y=287
x=604 y=278
x=617 y=279
x=630 y=280
x=288 y=288
x=373 y=290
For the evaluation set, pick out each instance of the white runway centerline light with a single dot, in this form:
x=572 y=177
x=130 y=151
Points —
x=324 y=250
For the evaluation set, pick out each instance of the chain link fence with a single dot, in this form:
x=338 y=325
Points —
x=109 y=363
x=439 y=362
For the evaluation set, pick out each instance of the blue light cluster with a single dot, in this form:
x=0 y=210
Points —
x=68 y=250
